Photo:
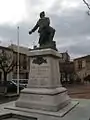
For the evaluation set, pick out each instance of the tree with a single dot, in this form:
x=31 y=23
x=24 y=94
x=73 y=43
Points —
x=7 y=63
x=87 y=4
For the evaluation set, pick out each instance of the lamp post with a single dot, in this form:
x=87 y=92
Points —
x=18 y=60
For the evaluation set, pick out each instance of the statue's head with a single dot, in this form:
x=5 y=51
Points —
x=42 y=14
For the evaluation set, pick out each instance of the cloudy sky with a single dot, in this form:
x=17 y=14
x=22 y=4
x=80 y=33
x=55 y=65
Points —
x=68 y=17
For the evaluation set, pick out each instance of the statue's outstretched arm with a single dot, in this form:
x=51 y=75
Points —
x=34 y=28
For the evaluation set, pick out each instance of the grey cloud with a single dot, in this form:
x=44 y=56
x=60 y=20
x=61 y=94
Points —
x=80 y=47
x=71 y=26
x=72 y=29
x=34 y=2
x=8 y=33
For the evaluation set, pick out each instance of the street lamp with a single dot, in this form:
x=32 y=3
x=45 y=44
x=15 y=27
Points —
x=18 y=60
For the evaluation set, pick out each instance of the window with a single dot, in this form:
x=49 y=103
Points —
x=83 y=64
x=80 y=64
x=25 y=62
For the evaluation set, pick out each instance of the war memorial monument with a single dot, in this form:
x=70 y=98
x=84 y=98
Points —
x=45 y=98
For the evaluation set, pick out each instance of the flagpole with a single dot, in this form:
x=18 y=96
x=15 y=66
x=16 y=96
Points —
x=18 y=60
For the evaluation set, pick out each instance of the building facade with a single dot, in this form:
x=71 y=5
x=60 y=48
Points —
x=66 y=68
x=82 y=67
x=24 y=62
x=65 y=57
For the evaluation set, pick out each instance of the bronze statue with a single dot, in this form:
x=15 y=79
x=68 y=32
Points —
x=46 y=32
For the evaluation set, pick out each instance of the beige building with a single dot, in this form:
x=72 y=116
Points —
x=24 y=62
x=66 y=68
x=65 y=57
x=82 y=66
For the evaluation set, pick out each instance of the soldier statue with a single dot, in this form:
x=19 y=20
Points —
x=46 y=32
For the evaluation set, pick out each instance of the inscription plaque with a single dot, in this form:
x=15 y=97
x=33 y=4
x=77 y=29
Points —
x=39 y=74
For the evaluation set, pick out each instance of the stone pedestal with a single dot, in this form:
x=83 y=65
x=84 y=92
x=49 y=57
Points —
x=44 y=90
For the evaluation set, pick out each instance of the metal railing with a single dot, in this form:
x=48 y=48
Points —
x=21 y=80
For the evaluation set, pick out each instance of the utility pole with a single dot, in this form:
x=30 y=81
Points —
x=18 y=60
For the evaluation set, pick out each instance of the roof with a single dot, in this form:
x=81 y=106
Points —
x=22 y=49
x=5 y=48
x=84 y=57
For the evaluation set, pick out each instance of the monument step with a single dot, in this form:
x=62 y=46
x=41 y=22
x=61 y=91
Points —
x=44 y=99
x=44 y=91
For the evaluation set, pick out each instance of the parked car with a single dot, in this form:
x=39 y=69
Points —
x=22 y=82
x=12 y=86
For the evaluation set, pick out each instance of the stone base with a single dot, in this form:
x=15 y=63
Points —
x=43 y=99
x=44 y=115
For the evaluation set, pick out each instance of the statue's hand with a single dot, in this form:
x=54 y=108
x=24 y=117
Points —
x=30 y=32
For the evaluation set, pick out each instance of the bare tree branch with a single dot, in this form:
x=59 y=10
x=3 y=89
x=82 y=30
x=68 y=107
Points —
x=87 y=4
x=11 y=67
